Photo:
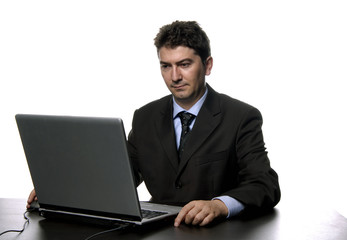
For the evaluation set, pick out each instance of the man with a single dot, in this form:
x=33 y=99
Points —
x=220 y=168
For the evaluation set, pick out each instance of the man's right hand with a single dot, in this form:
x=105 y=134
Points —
x=32 y=197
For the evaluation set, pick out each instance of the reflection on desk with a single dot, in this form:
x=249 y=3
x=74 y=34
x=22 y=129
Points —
x=281 y=224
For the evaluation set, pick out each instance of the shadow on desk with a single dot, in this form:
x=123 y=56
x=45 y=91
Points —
x=76 y=229
x=247 y=228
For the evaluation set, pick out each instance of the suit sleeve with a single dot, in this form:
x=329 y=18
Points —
x=132 y=150
x=258 y=187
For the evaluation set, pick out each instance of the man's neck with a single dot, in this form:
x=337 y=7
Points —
x=194 y=109
x=189 y=103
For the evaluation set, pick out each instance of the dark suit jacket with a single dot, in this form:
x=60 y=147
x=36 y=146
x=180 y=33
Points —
x=225 y=154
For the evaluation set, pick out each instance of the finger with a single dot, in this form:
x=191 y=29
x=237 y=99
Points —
x=182 y=214
x=216 y=210
x=32 y=197
x=206 y=221
x=199 y=217
x=192 y=214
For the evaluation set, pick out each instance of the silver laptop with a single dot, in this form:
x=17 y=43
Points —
x=80 y=167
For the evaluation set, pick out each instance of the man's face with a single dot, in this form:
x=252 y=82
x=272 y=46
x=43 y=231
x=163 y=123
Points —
x=184 y=74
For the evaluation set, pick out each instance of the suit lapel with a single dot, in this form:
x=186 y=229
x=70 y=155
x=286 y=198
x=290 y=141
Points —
x=207 y=120
x=166 y=133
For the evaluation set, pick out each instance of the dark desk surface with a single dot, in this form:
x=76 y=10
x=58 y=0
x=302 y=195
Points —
x=281 y=224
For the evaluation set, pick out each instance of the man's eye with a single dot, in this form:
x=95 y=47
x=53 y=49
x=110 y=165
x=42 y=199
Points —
x=185 y=65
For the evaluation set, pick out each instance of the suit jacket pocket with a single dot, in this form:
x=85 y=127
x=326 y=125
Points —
x=212 y=157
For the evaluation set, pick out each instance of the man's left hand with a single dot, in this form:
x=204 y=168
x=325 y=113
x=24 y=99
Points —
x=201 y=212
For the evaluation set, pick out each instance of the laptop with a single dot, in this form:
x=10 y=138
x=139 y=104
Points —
x=80 y=167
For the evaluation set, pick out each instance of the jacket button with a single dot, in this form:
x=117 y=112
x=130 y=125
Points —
x=178 y=185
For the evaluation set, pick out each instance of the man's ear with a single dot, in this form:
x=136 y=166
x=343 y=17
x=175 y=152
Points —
x=208 y=65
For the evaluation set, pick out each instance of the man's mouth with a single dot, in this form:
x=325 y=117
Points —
x=178 y=87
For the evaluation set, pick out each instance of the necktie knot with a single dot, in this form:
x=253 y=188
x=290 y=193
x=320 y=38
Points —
x=186 y=118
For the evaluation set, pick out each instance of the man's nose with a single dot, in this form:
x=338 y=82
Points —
x=176 y=74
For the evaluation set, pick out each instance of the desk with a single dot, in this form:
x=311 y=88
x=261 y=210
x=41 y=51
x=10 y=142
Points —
x=279 y=224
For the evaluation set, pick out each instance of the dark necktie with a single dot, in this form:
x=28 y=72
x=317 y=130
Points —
x=186 y=120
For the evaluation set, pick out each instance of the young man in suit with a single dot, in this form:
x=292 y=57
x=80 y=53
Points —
x=224 y=164
x=220 y=169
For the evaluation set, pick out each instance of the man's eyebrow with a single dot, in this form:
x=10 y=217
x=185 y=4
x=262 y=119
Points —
x=163 y=63
x=179 y=62
x=185 y=60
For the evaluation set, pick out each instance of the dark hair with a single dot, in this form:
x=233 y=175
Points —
x=184 y=33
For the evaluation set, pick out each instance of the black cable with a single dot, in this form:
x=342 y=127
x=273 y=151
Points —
x=24 y=226
x=88 y=238
x=107 y=231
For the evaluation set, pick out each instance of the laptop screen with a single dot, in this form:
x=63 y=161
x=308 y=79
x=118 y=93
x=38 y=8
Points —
x=79 y=164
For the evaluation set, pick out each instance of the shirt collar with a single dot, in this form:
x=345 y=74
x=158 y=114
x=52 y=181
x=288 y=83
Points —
x=193 y=110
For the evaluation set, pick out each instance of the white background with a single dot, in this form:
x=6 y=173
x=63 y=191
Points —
x=97 y=58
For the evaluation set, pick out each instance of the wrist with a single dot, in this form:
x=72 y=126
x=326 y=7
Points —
x=222 y=208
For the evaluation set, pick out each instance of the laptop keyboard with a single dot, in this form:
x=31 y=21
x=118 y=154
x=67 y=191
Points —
x=151 y=214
